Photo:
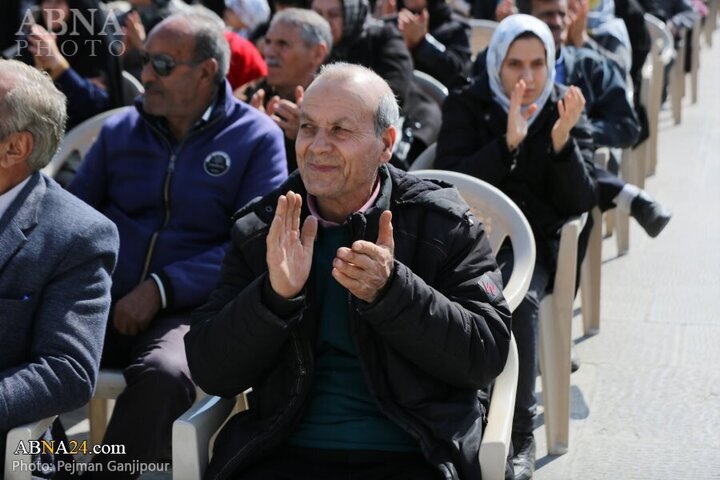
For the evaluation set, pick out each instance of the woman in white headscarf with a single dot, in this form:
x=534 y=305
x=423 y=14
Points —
x=517 y=130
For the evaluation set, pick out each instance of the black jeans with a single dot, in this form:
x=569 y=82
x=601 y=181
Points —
x=296 y=463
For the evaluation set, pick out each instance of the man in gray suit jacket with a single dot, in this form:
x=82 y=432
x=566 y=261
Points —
x=56 y=258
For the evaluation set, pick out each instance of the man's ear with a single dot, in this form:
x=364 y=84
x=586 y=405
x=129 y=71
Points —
x=319 y=54
x=388 y=138
x=210 y=68
x=18 y=147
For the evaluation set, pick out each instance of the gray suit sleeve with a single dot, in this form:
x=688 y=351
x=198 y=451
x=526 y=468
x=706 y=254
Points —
x=69 y=321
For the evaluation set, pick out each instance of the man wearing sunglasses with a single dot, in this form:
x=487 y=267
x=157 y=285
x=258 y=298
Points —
x=170 y=173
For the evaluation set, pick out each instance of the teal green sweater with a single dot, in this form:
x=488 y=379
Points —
x=341 y=414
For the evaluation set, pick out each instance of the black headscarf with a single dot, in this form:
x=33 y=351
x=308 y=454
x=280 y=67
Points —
x=355 y=14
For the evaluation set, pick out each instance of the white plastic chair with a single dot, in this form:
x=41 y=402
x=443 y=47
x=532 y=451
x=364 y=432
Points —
x=677 y=76
x=555 y=340
x=591 y=267
x=555 y=336
x=193 y=431
x=661 y=54
x=695 y=59
x=79 y=140
x=481 y=31
x=711 y=21
x=425 y=160
x=110 y=384
x=431 y=86
x=131 y=87
x=22 y=433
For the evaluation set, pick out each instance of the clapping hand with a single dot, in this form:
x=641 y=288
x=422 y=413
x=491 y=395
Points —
x=44 y=48
x=570 y=109
x=517 y=121
x=365 y=268
x=286 y=113
x=289 y=249
x=413 y=27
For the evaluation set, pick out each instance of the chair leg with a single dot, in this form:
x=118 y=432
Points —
x=99 y=410
x=677 y=82
x=623 y=232
x=590 y=279
x=554 y=340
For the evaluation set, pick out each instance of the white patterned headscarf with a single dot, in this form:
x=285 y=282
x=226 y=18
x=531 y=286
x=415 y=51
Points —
x=505 y=34
x=251 y=12
x=601 y=20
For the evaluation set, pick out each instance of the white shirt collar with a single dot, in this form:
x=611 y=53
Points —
x=7 y=198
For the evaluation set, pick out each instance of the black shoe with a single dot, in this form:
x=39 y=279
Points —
x=524 y=460
x=651 y=216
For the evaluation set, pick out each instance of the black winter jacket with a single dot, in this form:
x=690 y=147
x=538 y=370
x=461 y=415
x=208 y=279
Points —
x=549 y=188
x=439 y=332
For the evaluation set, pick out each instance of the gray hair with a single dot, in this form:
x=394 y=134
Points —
x=314 y=29
x=33 y=104
x=387 y=113
x=207 y=29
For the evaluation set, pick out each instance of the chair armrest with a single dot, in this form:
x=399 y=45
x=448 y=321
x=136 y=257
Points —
x=497 y=436
x=23 y=433
x=191 y=436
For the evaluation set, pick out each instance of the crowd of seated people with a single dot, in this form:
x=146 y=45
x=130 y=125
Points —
x=227 y=118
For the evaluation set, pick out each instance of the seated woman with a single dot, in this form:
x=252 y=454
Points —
x=516 y=129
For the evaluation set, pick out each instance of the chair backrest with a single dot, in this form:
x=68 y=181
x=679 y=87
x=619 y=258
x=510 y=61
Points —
x=79 y=139
x=659 y=31
x=431 y=86
x=481 y=31
x=131 y=87
x=425 y=160
x=502 y=219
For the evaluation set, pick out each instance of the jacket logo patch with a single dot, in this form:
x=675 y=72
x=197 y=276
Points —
x=217 y=164
x=490 y=286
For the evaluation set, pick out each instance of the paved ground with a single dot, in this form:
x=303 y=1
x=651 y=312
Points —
x=646 y=401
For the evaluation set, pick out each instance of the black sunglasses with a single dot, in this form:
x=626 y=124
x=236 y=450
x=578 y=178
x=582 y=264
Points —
x=162 y=63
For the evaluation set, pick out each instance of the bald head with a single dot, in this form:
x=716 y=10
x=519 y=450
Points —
x=367 y=86
x=203 y=32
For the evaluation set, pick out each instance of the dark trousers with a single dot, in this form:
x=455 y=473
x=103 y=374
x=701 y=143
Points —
x=525 y=329
x=159 y=389
x=295 y=463
x=609 y=185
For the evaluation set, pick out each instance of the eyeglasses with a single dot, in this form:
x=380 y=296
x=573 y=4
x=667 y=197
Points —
x=162 y=63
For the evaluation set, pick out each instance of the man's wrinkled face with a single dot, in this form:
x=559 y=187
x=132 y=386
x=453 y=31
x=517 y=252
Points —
x=176 y=93
x=288 y=58
x=555 y=15
x=338 y=151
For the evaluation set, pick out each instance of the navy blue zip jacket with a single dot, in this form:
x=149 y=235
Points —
x=173 y=202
